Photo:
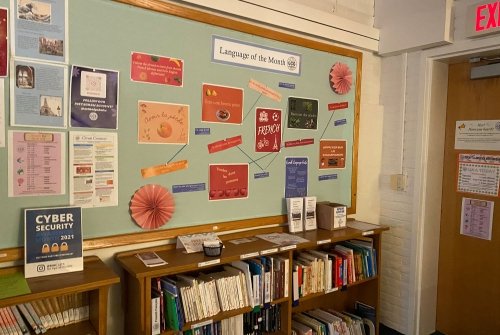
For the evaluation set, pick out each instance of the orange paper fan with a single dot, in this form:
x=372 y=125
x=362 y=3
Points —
x=152 y=206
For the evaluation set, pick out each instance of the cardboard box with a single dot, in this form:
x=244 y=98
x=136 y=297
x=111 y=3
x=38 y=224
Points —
x=331 y=216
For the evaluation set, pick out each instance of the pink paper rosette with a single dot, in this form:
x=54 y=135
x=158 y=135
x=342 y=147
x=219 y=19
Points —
x=152 y=206
x=340 y=78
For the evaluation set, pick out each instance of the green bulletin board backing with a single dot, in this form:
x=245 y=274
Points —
x=102 y=34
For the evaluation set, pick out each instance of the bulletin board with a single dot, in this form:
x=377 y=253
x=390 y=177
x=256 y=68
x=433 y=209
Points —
x=105 y=35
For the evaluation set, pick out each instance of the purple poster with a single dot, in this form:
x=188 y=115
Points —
x=296 y=177
x=94 y=98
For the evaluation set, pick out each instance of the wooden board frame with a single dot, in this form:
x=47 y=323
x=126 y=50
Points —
x=13 y=254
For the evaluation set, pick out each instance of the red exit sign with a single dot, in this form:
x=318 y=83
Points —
x=483 y=18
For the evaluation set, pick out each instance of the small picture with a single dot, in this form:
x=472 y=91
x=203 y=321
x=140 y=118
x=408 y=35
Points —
x=49 y=46
x=50 y=106
x=25 y=76
x=36 y=11
x=93 y=84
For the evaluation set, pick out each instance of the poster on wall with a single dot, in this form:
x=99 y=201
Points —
x=302 y=113
x=40 y=29
x=332 y=154
x=162 y=123
x=477 y=218
x=36 y=163
x=94 y=98
x=38 y=94
x=296 y=174
x=93 y=176
x=155 y=69
x=222 y=104
x=52 y=241
x=267 y=130
x=479 y=174
x=2 y=113
x=4 y=47
x=477 y=135
x=228 y=181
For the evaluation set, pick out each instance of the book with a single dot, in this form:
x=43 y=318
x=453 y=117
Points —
x=244 y=267
x=19 y=320
x=169 y=286
x=155 y=311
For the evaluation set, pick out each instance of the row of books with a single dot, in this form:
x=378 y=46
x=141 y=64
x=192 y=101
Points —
x=328 y=321
x=265 y=320
x=345 y=263
x=255 y=283
x=41 y=315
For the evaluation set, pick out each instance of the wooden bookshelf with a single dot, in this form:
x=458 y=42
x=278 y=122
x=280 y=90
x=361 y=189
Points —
x=137 y=277
x=96 y=279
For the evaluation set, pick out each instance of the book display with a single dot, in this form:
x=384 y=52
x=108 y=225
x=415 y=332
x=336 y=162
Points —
x=258 y=286
x=69 y=303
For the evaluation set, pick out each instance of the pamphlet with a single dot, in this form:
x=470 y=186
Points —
x=194 y=243
x=310 y=213
x=295 y=213
x=150 y=259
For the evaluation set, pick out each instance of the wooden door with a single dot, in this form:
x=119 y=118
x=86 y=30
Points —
x=469 y=268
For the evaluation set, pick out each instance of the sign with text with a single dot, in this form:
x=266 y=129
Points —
x=267 y=130
x=239 y=53
x=52 y=241
x=296 y=173
x=156 y=69
x=228 y=181
x=483 y=18
x=332 y=154
x=477 y=135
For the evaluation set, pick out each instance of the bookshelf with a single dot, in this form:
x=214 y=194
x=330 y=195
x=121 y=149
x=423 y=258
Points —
x=95 y=279
x=137 y=279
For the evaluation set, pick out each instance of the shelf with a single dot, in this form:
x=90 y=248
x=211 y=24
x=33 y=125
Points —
x=94 y=276
x=137 y=286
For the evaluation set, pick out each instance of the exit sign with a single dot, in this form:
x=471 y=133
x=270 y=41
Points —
x=483 y=18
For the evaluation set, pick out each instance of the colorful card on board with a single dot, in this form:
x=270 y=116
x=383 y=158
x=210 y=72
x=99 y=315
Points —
x=228 y=181
x=296 y=174
x=163 y=123
x=4 y=51
x=332 y=154
x=94 y=98
x=156 y=69
x=52 y=241
x=267 y=130
x=302 y=113
x=222 y=104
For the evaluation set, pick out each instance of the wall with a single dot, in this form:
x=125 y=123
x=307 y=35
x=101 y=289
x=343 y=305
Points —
x=370 y=145
x=409 y=284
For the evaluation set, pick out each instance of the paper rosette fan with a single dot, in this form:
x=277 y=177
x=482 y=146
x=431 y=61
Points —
x=152 y=206
x=340 y=78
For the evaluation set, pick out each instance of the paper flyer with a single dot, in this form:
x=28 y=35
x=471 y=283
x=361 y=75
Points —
x=38 y=94
x=477 y=218
x=4 y=39
x=332 y=154
x=222 y=104
x=479 y=174
x=94 y=97
x=52 y=241
x=162 y=123
x=302 y=113
x=40 y=29
x=93 y=159
x=228 y=181
x=36 y=163
x=155 y=69
x=267 y=130
x=296 y=174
